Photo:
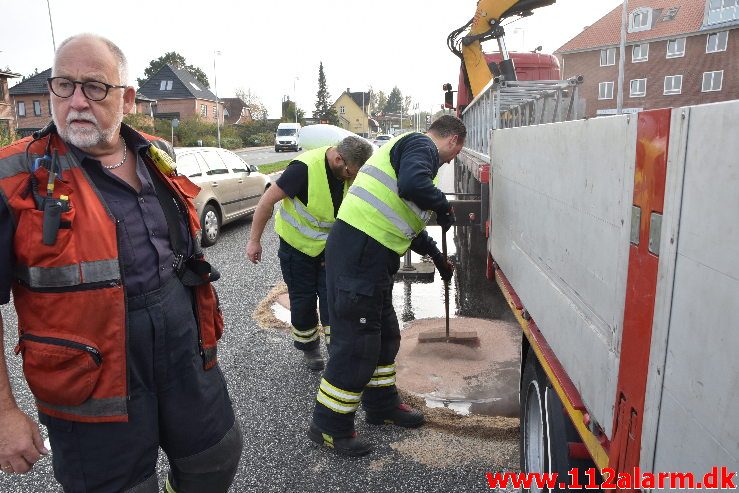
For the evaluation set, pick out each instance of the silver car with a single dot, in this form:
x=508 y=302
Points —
x=382 y=139
x=230 y=188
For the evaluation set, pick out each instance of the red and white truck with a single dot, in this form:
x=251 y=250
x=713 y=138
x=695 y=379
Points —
x=615 y=241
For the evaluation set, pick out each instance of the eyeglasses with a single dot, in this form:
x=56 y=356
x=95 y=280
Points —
x=350 y=173
x=92 y=89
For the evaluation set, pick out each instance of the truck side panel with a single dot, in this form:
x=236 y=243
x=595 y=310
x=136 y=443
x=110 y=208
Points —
x=560 y=228
x=692 y=422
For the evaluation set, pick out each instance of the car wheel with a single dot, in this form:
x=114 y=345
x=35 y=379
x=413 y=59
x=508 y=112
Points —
x=210 y=224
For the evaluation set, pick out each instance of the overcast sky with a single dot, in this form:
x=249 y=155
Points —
x=274 y=47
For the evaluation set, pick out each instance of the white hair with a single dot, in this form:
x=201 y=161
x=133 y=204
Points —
x=114 y=49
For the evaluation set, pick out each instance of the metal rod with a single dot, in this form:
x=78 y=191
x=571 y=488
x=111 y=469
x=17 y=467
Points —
x=446 y=286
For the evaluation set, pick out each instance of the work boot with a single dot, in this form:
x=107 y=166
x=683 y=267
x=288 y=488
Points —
x=351 y=445
x=313 y=358
x=403 y=415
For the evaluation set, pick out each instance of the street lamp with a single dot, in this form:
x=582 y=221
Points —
x=295 y=102
x=218 y=112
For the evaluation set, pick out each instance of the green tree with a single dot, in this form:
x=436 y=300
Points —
x=288 y=112
x=372 y=105
x=381 y=102
x=394 y=101
x=5 y=138
x=324 y=111
x=178 y=61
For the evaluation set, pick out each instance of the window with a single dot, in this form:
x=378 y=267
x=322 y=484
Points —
x=195 y=86
x=342 y=110
x=233 y=161
x=215 y=164
x=638 y=88
x=712 y=81
x=640 y=20
x=165 y=85
x=21 y=108
x=215 y=112
x=608 y=57
x=49 y=105
x=722 y=11
x=673 y=84
x=203 y=110
x=640 y=53
x=717 y=42
x=605 y=90
x=676 y=48
x=188 y=166
x=2 y=90
x=37 y=108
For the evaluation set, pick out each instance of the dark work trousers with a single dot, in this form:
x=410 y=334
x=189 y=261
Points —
x=305 y=277
x=364 y=327
x=173 y=404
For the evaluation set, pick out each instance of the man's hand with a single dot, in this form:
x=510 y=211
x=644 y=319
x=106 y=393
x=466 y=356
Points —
x=21 y=444
x=446 y=219
x=254 y=251
x=444 y=266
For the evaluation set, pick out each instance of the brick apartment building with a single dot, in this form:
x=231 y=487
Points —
x=7 y=112
x=678 y=52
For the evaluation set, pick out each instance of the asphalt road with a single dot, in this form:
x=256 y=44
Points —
x=273 y=396
x=265 y=155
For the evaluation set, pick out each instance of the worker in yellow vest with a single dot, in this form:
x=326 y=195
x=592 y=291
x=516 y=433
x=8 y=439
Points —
x=383 y=215
x=311 y=189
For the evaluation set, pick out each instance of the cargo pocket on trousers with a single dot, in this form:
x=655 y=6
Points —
x=355 y=300
x=61 y=371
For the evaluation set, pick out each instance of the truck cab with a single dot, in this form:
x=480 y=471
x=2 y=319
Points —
x=287 y=137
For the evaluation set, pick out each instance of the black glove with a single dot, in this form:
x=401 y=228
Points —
x=444 y=266
x=446 y=219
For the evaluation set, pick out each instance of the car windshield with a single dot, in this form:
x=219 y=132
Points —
x=282 y=132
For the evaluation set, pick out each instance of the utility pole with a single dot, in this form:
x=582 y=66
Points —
x=218 y=109
x=621 y=60
x=53 y=41
x=295 y=103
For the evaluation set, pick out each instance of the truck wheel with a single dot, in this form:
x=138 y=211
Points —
x=210 y=223
x=276 y=149
x=534 y=455
x=561 y=433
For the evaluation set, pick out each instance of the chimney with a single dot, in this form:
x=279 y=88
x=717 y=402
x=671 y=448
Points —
x=348 y=91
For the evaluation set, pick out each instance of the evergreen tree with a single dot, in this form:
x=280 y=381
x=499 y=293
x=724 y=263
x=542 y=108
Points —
x=381 y=102
x=324 y=111
x=394 y=101
x=176 y=60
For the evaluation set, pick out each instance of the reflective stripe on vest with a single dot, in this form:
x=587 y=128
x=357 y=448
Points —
x=69 y=275
x=390 y=220
x=306 y=227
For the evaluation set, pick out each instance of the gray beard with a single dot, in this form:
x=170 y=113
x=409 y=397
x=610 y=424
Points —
x=87 y=137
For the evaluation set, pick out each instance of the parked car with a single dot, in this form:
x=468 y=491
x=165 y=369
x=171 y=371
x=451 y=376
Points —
x=230 y=188
x=382 y=139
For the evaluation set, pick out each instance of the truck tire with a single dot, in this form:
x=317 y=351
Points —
x=562 y=433
x=546 y=429
x=533 y=437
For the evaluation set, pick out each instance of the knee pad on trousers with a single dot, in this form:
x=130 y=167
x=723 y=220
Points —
x=209 y=471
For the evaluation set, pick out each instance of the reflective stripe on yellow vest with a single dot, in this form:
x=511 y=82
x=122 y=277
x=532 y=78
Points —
x=306 y=227
x=373 y=205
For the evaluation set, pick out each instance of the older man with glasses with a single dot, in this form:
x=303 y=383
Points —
x=117 y=317
x=311 y=190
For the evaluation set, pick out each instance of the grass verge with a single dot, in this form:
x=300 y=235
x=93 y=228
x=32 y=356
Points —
x=271 y=168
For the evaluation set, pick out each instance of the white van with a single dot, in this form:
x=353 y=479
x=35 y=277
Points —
x=287 y=137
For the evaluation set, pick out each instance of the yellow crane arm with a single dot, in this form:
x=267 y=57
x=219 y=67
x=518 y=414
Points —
x=486 y=25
